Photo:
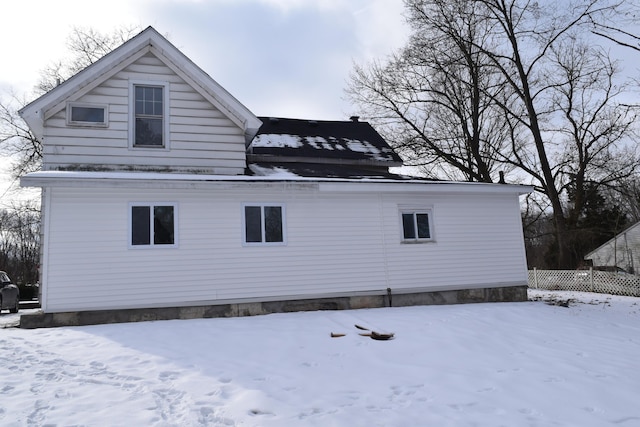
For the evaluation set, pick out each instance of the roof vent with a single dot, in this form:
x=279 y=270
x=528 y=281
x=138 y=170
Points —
x=354 y=119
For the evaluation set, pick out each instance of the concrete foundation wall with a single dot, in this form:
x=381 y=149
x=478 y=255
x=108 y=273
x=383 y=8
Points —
x=81 y=318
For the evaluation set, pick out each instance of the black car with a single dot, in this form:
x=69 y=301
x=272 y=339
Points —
x=9 y=294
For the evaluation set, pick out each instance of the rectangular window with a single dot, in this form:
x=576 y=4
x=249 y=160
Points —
x=416 y=226
x=264 y=224
x=148 y=114
x=153 y=224
x=79 y=114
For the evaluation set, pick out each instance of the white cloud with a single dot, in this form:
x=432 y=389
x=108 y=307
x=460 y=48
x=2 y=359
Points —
x=249 y=46
x=34 y=33
x=380 y=28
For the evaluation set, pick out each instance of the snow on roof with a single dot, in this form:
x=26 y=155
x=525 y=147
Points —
x=282 y=141
x=272 y=172
x=350 y=141
x=277 y=141
x=318 y=171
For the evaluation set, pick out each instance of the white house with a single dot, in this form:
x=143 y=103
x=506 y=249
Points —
x=621 y=251
x=165 y=197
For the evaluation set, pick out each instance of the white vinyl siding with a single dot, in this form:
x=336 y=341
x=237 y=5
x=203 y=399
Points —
x=622 y=251
x=200 y=138
x=337 y=244
x=479 y=240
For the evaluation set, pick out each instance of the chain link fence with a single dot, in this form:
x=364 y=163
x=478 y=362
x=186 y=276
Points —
x=603 y=282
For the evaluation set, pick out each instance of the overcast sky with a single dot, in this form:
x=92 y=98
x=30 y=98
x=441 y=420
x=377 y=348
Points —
x=287 y=58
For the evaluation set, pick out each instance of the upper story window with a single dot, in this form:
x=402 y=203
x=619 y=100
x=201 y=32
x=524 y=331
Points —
x=416 y=225
x=149 y=106
x=82 y=114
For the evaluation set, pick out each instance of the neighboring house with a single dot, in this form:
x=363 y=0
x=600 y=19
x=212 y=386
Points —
x=165 y=197
x=622 y=251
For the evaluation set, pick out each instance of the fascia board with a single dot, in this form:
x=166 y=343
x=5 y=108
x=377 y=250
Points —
x=366 y=185
x=180 y=183
x=266 y=158
x=164 y=180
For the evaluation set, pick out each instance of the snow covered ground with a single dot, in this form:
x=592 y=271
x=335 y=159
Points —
x=510 y=364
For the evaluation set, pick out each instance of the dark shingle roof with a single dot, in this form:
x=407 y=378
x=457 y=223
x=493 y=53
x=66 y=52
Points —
x=316 y=170
x=320 y=141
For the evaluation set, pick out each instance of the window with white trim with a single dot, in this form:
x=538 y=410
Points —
x=263 y=224
x=83 y=114
x=416 y=225
x=149 y=114
x=153 y=224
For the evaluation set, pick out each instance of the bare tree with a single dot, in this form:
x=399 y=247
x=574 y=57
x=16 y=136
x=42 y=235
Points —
x=16 y=139
x=549 y=104
x=86 y=46
x=593 y=123
x=627 y=195
x=432 y=100
x=20 y=241
x=19 y=236
x=616 y=28
x=531 y=39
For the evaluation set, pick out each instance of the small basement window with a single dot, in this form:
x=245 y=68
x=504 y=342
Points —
x=153 y=224
x=263 y=225
x=87 y=114
x=416 y=225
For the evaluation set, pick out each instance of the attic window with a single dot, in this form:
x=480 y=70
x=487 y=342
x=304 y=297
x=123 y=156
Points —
x=80 y=114
x=149 y=114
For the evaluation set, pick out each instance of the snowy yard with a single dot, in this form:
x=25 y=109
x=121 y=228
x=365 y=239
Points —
x=506 y=364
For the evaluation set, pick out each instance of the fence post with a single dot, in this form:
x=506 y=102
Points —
x=535 y=277
x=590 y=279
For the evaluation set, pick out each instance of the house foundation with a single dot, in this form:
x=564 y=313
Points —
x=463 y=296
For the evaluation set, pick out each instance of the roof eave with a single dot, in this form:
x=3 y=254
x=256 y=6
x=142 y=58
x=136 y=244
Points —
x=64 y=179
